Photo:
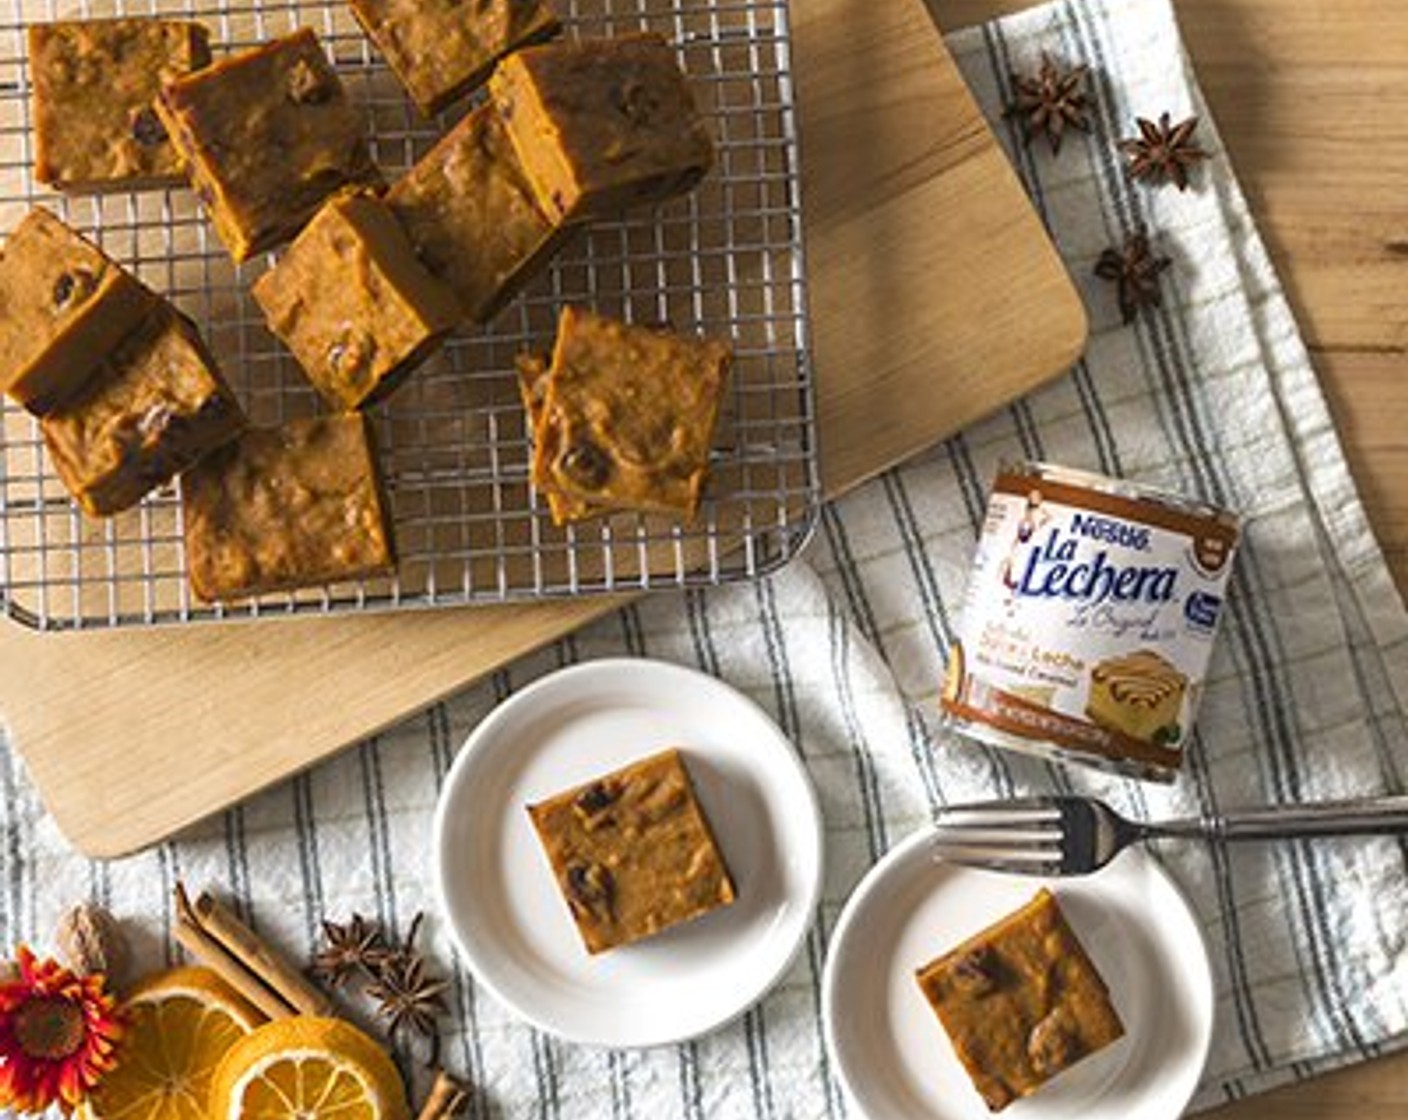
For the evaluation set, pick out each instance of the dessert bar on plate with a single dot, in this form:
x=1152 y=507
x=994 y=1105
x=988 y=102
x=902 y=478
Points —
x=1021 y=1002
x=632 y=852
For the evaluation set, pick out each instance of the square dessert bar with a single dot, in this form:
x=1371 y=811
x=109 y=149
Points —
x=64 y=306
x=267 y=136
x=442 y=49
x=632 y=852
x=472 y=216
x=157 y=405
x=353 y=303
x=602 y=124
x=94 y=85
x=1021 y=1001
x=627 y=416
x=294 y=506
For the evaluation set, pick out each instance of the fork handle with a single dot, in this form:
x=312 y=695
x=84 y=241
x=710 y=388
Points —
x=1380 y=816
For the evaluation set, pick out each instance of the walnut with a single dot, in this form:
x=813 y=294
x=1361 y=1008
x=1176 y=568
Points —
x=90 y=939
x=1053 y=1043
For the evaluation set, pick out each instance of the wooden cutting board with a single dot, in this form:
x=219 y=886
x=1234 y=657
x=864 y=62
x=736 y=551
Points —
x=936 y=298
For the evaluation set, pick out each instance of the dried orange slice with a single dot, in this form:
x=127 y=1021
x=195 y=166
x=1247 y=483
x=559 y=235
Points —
x=307 y=1068
x=181 y=1024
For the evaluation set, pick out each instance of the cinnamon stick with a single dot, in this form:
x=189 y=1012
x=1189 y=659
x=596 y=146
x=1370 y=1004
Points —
x=220 y=922
x=219 y=940
x=448 y=1097
x=197 y=941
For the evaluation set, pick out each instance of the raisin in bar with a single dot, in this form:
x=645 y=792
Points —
x=64 y=307
x=632 y=852
x=279 y=508
x=94 y=86
x=627 y=416
x=602 y=124
x=267 y=136
x=1021 y=1001
x=157 y=405
x=472 y=216
x=353 y=303
x=443 y=49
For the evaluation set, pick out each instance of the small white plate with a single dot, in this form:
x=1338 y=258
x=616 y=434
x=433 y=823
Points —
x=502 y=904
x=891 y=1052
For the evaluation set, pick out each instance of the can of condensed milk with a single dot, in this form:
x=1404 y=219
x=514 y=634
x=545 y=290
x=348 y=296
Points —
x=1089 y=620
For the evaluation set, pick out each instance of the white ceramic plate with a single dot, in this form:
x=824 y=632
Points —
x=502 y=904
x=892 y=1054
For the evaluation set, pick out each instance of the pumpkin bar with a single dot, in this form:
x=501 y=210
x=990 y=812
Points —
x=64 y=306
x=602 y=124
x=157 y=405
x=94 y=83
x=473 y=217
x=442 y=49
x=279 y=508
x=1021 y=1001
x=353 y=303
x=267 y=136
x=627 y=416
x=632 y=852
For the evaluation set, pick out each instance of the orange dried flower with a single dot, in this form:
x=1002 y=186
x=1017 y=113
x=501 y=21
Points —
x=58 y=1032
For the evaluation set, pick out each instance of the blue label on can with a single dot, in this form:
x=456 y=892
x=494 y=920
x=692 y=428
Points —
x=1201 y=610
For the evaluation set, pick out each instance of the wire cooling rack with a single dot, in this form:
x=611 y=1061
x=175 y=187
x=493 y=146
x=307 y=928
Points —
x=726 y=261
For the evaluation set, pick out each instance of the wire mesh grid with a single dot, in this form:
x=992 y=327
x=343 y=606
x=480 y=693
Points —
x=725 y=261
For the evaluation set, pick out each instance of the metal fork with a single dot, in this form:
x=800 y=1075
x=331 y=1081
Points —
x=1078 y=835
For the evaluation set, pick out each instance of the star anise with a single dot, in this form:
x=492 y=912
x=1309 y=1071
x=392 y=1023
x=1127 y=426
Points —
x=1051 y=101
x=353 y=947
x=1164 y=152
x=407 y=996
x=1134 y=269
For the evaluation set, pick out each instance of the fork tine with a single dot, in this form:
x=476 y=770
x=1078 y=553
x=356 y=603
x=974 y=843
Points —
x=979 y=834
x=999 y=813
x=999 y=859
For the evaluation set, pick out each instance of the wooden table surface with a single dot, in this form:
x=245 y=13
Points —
x=1312 y=101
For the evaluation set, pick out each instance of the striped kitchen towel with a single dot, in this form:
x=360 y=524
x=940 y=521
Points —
x=1213 y=395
